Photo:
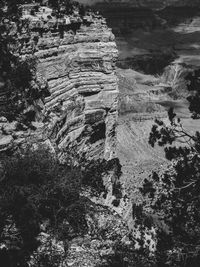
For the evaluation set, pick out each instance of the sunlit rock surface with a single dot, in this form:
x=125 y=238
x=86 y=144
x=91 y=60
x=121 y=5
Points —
x=76 y=59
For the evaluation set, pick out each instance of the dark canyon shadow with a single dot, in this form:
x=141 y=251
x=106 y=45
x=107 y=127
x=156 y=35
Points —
x=177 y=15
x=146 y=39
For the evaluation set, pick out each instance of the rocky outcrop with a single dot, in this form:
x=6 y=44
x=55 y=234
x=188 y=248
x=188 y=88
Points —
x=174 y=75
x=76 y=58
x=139 y=94
x=106 y=240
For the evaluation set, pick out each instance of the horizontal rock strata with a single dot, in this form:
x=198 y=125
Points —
x=76 y=57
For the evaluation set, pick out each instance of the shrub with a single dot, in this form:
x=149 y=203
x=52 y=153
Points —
x=38 y=194
x=173 y=199
x=35 y=188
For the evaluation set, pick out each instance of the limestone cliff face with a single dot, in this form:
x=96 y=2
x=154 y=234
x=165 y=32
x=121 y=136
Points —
x=76 y=58
x=82 y=76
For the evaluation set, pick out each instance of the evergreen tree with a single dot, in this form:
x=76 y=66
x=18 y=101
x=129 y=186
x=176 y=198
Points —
x=174 y=197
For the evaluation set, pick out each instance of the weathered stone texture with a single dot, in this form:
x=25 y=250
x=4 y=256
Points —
x=78 y=63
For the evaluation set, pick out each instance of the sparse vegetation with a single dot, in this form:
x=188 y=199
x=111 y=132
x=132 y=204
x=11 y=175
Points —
x=39 y=195
x=63 y=7
x=18 y=76
x=172 y=203
x=35 y=189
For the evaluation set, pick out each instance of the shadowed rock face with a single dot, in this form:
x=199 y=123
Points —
x=77 y=60
x=151 y=39
x=151 y=34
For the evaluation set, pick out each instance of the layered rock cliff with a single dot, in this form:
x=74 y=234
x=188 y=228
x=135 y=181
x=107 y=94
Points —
x=76 y=59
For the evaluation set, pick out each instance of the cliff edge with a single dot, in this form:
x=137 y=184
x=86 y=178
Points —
x=76 y=59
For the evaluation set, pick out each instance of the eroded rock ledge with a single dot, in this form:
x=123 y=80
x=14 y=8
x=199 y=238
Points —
x=76 y=57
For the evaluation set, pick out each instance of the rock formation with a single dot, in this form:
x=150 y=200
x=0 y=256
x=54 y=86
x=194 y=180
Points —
x=76 y=58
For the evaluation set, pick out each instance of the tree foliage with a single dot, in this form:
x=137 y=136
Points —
x=194 y=97
x=34 y=189
x=39 y=194
x=18 y=79
x=174 y=197
x=63 y=7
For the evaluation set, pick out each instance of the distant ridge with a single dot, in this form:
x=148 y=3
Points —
x=152 y=4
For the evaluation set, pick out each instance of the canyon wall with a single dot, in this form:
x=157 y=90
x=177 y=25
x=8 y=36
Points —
x=76 y=59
